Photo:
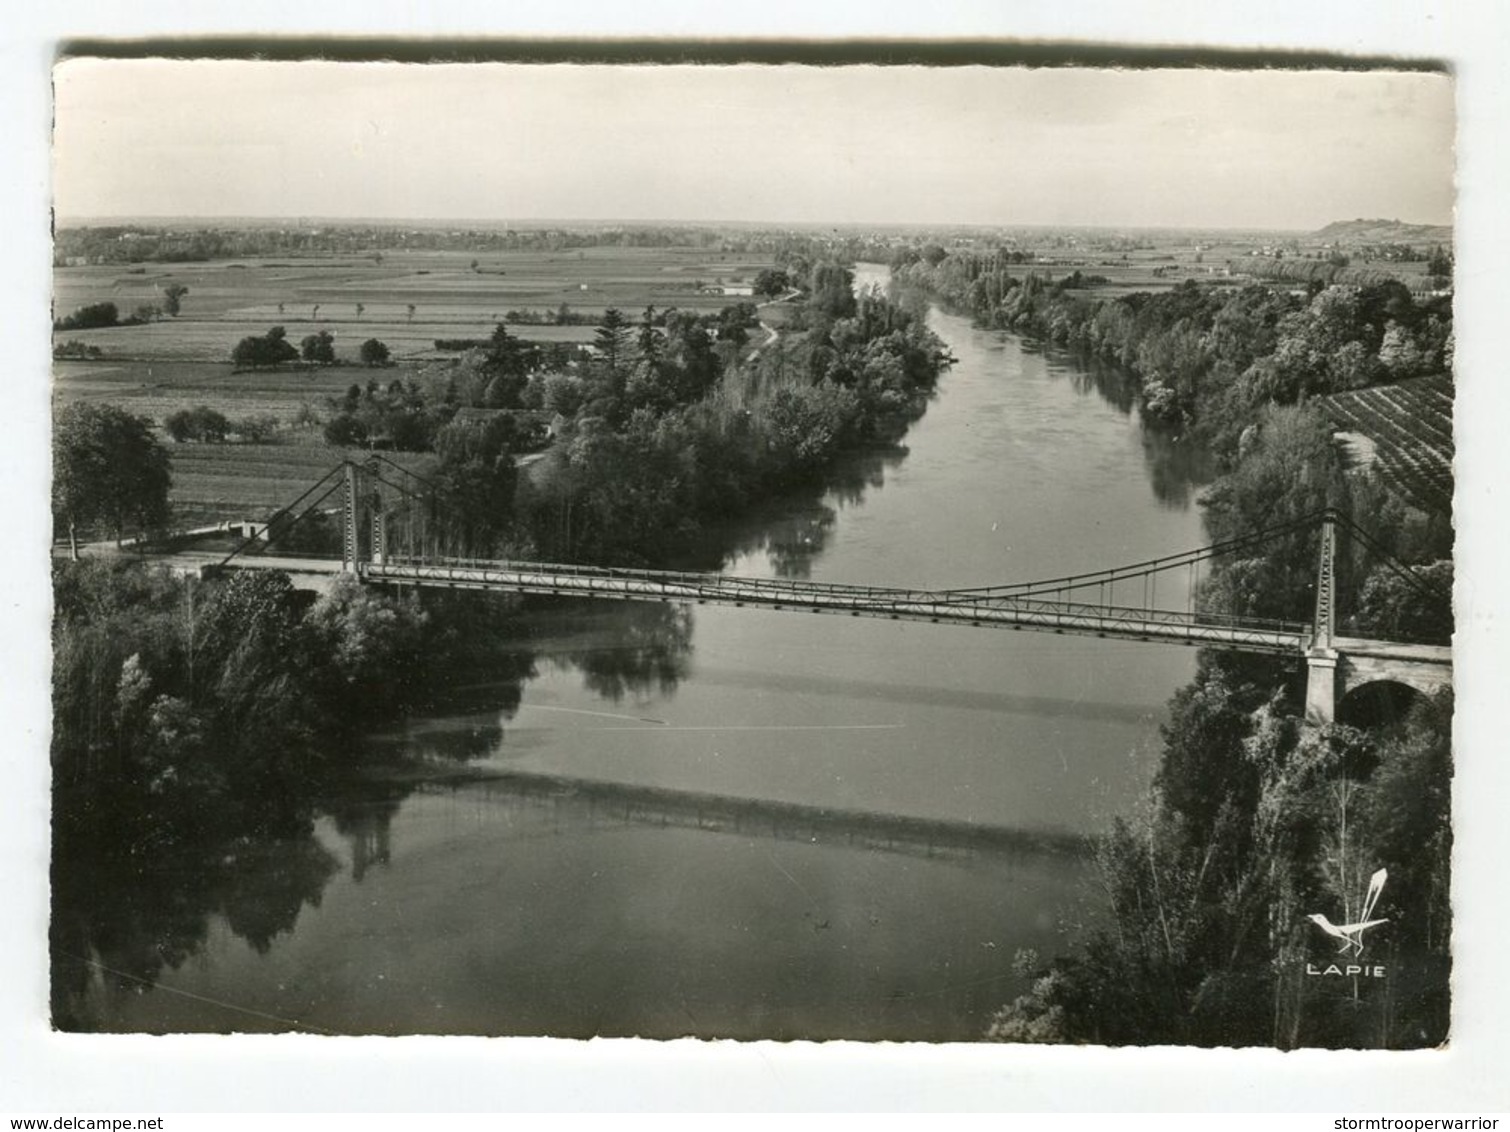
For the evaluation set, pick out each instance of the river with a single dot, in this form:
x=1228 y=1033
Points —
x=794 y=826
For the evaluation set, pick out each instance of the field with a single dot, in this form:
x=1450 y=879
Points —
x=157 y=368
x=1409 y=428
x=1225 y=260
x=229 y=300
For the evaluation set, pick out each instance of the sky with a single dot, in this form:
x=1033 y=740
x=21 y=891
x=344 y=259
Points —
x=878 y=145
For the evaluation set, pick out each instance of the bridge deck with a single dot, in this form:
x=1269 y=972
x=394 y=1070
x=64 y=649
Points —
x=934 y=606
x=940 y=607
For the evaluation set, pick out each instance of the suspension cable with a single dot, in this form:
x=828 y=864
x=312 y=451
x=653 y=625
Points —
x=282 y=511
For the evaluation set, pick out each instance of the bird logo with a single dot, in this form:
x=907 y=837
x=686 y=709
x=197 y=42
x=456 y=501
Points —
x=1351 y=935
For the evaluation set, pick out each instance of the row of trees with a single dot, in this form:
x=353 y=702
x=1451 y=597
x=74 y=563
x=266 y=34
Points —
x=210 y=426
x=274 y=349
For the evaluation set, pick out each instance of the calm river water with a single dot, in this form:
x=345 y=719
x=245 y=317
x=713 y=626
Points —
x=793 y=826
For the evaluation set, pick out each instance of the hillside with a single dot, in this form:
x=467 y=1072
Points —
x=1384 y=232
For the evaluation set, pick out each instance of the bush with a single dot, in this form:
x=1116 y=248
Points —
x=200 y=423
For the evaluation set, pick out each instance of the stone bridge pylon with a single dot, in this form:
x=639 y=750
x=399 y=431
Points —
x=1338 y=665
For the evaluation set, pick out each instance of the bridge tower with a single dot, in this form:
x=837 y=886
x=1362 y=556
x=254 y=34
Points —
x=379 y=547
x=1321 y=657
x=351 y=545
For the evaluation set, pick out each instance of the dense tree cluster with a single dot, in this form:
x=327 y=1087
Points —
x=210 y=426
x=107 y=468
x=672 y=435
x=392 y=416
x=91 y=317
x=1259 y=822
x=176 y=701
x=772 y=281
x=271 y=349
x=1210 y=359
x=200 y=423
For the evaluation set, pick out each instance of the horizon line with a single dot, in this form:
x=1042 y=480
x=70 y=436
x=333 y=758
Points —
x=122 y=219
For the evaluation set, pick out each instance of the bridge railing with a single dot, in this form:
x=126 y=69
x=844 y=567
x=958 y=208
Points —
x=942 y=605
x=669 y=577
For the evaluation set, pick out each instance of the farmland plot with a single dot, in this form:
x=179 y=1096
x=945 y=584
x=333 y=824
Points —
x=155 y=389
x=1409 y=424
x=212 y=482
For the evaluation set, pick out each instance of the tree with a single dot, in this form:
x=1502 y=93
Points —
x=360 y=308
x=612 y=337
x=374 y=353
x=107 y=466
x=411 y=312
x=318 y=348
x=612 y=342
x=772 y=281
x=649 y=339
x=173 y=295
x=1439 y=263
x=833 y=291
x=505 y=367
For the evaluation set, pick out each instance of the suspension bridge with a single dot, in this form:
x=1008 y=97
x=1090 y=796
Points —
x=394 y=530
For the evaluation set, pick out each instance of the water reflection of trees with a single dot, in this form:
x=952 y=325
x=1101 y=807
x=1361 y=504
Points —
x=365 y=819
x=119 y=923
x=646 y=653
x=794 y=532
x=460 y=739
x=1090 y=374
x=1177 y=468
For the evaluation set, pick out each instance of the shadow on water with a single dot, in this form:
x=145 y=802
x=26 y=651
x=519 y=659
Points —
x=1051 y=707
x=592 y=803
